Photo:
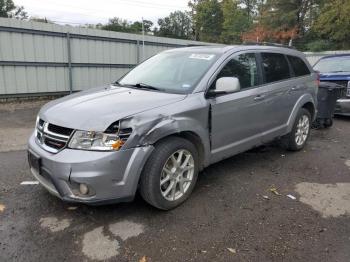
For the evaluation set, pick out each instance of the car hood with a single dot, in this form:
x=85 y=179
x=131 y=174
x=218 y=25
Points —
x=96 y=109
x=335 y=76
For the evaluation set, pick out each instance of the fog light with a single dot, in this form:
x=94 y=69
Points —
x=83 y=188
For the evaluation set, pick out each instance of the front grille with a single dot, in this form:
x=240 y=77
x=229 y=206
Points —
x=60 y=130
x=345 y=93
x=51 y=137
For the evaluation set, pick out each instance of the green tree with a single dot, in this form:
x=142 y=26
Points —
x=40 y=19
x=235 y=21
x=136 y=27
x=284 y=15
x=10 y=10
x=250 y=6
x=122 y=25
x=116 y=24
x=334 y=22
x=207 y=17
x=178 y=25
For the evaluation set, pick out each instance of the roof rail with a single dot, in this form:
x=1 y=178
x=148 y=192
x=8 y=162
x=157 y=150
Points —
x=268 y=44
x=193 y=45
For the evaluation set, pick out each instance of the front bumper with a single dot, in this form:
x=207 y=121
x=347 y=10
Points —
x=110 y=176
x=342 y=107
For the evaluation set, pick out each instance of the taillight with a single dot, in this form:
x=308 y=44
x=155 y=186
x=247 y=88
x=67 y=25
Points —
x=318 y=79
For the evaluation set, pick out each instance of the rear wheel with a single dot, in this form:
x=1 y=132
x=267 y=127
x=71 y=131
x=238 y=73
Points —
x=300 y=133
x=170 y=174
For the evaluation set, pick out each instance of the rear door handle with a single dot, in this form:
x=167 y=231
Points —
x=259 y=98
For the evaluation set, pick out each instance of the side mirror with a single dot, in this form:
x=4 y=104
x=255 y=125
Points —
x=224 y=85
x=227 y=85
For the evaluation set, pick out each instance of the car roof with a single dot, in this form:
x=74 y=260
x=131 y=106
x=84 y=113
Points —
x=336 y=55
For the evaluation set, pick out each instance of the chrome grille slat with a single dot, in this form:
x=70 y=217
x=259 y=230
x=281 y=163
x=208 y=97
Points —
x=345 y=83
x=49 y=140
x=46 y=131
x=56 y=139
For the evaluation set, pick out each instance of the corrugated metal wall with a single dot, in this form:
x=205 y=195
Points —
x=44 y=58
x=47 y=58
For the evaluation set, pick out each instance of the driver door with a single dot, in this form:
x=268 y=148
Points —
x=237 y=118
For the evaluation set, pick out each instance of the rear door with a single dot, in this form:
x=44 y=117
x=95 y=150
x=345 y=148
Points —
x=302 y=79
x=276 y=93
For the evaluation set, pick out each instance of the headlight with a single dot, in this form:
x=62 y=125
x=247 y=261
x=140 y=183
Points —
x=89 y=140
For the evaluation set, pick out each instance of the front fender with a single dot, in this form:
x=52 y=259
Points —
x=147 y=131
x=304 y=99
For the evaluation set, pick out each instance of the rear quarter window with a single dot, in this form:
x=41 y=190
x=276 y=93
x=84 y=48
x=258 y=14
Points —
x=299 y=66
x=275 y=67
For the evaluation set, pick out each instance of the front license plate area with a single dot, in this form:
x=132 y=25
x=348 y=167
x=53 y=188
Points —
x=34 y=162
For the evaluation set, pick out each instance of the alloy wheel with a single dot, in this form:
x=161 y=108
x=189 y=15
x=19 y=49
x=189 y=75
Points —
x=302 y=131
x=177 y=175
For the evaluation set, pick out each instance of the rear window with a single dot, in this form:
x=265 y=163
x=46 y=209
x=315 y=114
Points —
x=275 y=66
x=336 y=64
x=298 y=65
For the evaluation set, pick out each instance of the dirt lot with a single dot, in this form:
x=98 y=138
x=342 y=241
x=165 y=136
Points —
x=231 y=216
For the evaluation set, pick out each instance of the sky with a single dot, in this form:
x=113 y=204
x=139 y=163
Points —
x=77 y=12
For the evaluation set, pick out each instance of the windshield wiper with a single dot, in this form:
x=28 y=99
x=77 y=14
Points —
x=116 y=83
x=144 y=86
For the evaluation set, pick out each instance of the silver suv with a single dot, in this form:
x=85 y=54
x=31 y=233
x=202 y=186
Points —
x=167 y=119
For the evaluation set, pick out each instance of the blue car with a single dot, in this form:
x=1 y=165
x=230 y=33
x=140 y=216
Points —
x=336 y=69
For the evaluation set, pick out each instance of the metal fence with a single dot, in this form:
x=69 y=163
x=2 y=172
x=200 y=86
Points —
x=38 y=58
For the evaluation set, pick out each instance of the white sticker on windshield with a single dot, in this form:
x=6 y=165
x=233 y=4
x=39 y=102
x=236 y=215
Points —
x=202 y=56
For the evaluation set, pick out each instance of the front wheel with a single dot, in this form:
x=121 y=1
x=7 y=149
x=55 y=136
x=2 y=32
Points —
x=300 y=133
x=170 y=174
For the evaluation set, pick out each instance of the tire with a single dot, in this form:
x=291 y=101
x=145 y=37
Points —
x=290 y=140
x=161 y=165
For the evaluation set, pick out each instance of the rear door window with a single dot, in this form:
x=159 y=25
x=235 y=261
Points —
x=275 y=67
x=298 y=65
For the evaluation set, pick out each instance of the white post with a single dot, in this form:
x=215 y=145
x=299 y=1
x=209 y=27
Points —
x=143 y=41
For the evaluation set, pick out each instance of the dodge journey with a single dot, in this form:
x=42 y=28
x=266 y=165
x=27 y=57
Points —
x=178 y=112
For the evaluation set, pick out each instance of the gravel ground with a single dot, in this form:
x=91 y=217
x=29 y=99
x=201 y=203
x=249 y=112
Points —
x=232 y=215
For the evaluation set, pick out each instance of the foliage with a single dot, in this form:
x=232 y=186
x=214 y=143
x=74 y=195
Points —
x=10 y=10
x=178 y=25
x=122 y=25
x=40 y=19
x=283 y=21
x=250 y=7
x=207 y=17
x=235 y=22
x=319 y=46
x=313 y=25
x=334 y=22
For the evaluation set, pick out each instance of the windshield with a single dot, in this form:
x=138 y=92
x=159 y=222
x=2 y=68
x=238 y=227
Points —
x=175 y=72
x=334 y=64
